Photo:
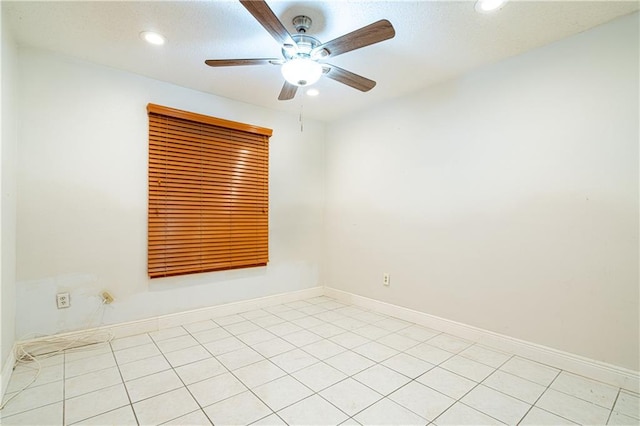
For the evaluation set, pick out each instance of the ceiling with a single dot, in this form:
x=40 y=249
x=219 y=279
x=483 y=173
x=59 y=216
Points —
x=435 y=41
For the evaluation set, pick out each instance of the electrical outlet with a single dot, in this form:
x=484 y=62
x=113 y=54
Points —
x=63 y=300
x=386 y=279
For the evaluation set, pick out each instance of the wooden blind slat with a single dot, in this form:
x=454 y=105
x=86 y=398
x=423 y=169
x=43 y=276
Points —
x=208 y=193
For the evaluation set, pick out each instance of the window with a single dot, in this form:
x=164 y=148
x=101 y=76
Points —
x=208 y=193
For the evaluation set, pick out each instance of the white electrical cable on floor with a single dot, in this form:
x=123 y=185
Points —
x=43 y=348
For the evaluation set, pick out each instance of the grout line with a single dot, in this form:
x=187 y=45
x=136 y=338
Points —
x=135 y=416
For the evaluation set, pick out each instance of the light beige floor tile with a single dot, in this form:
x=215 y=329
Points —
x=241 y=327
x=152 y=385
x=446 y=382
x=92 y=404
x=572 y=408
x=187 y=355
x=136 y=353
x=259 y=373
x=536 y=416
x=449 y=343
x=387 y=412
x=375 y=351
x=90 y=382
x=47 y=415
x=312 y=410
x=282 y=392
x=144 y=367
x=164 y=407
x=515 y=386
x=33 y=397
x=468 y=368
x=460 y=414
x=370 y=331
x=273 y=347
x=196 y=327
x=327 y=330
x=122 y=416
x=349 y=340
x=408 y=365
x=628 y=404
x=130 y=341
x=381 y=379
x=429 y=353
x=319 y=376
x=530 y=370
x=496 y=404
x=167 y=333
x=177 y=343
x=323 y=349
x=24 y=378
x=216 y=389
x=301 y=338
x=87 y=365
x=211 y=335
x=398 y=341
x=350 y=396
x=195 y=418
x=583 y=388
x=349 y=362
x=200 y=370
x=418 y=333
x=228 y=320
x=224 y=345
x=484 y=355
x=267 y=320
x=294 y=360
x=240 y=409
x=239 y=358
x=414 y=395
x=272 y=420
x=256 y=336
x=622 y=419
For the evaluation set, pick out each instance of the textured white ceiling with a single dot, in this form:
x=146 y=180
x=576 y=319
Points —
x=435 y=41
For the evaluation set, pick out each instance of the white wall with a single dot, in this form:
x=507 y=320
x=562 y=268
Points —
x=507 y=199
x=8 y=155
x=82 y=208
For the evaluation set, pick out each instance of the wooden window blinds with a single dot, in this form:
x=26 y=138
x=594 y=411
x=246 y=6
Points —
x=208 y=193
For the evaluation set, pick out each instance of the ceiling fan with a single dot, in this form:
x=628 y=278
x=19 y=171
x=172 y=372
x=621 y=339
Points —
x=304 y=55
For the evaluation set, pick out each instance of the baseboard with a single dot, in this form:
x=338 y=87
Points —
x=148 y=325
x=603 y=372
x=7 y=369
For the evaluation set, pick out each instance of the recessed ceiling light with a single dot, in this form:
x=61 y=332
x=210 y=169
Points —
x=313 y=92
x=486 y=6
x=153 y=38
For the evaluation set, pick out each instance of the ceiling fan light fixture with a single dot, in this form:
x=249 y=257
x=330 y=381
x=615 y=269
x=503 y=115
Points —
x=488 y=6
x=313 y=92
x=301 y=71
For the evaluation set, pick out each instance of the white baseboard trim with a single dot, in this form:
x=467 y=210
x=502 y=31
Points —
x=148 y=325
x=603 y=372
x=7 y=369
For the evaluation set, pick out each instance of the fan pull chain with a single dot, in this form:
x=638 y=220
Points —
x=301 y=118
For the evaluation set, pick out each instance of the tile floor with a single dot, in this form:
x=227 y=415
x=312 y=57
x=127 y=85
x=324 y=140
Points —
x=315 y=361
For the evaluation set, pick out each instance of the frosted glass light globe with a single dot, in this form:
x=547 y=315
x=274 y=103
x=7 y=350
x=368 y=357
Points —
x=301 y=71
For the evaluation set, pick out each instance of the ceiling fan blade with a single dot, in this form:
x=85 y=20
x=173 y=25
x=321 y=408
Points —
x=238 y=62
x=263 y=14
x=350 y=79
x=365 y=36
x=288 y=91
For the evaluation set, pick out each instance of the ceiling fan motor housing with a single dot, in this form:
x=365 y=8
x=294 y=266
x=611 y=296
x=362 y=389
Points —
x=302 y=23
